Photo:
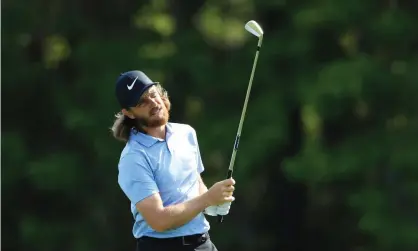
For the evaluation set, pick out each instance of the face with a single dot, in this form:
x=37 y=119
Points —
x=150 y=111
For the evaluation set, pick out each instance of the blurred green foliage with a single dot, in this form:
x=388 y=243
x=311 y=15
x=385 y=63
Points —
x=329 y=152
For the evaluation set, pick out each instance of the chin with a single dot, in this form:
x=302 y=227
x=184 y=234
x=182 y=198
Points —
x=158 y=121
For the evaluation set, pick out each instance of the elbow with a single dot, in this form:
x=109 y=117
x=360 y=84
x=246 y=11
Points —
x=159 y=222
x=159 y=226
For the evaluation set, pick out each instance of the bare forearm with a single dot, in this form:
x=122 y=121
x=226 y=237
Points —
x=162 y=218
x=177 y=215
x=180 y=214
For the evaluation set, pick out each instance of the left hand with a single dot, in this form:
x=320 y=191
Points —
x=212 y=210
x=223 y=209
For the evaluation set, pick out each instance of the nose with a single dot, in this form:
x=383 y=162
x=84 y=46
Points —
x=151 y=101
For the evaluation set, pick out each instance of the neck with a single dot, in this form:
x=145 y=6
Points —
x=157 y=132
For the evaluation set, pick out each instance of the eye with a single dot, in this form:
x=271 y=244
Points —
x=153 y=94
x=140 y=103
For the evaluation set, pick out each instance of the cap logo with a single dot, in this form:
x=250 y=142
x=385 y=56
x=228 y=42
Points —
x=132 y=85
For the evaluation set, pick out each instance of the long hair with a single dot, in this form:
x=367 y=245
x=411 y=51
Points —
x=122 y=124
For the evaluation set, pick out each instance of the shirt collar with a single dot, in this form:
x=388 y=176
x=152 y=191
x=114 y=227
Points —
x=148 y=140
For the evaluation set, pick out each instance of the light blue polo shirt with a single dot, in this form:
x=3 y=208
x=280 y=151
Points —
x=170 y=167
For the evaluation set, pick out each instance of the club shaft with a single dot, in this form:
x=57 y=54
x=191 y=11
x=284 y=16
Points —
x=241 y=122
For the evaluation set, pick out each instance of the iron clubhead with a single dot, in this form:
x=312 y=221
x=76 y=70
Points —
x=254 y=28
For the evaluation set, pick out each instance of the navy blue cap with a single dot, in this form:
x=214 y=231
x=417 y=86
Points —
x=130 y=86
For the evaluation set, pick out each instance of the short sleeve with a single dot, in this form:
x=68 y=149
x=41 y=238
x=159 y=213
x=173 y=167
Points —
x=200 y=167
x=136 y=178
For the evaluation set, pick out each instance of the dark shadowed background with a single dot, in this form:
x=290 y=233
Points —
x=329 y=153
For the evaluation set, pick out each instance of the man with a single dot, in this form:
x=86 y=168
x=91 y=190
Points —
x=159 y=171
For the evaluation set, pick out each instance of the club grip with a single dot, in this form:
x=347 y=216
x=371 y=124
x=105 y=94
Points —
x=220 y=217
x=229 y=175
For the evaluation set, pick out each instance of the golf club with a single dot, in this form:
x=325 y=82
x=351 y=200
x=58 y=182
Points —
x=254 y=28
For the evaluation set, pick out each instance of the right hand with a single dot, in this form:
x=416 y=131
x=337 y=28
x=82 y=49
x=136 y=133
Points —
x=221 y=192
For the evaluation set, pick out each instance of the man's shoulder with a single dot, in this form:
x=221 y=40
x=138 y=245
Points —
x=133 y=150
x=181 y=127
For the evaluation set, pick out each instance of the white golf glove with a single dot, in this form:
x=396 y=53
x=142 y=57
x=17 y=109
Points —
x=222 y=209
x=211 y=210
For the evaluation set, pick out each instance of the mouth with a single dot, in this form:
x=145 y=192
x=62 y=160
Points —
x=155 y=111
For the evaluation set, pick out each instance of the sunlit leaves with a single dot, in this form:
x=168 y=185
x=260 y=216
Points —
x=224 y=28
x=155 y=16
x=311 y=121
x=163 y=24
x=349 y=42
x=56 y=50
x=221 y=30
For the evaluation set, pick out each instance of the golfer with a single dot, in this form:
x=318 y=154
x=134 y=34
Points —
x=159 y=171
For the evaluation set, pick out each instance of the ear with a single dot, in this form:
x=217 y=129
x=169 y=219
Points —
x=128 y=113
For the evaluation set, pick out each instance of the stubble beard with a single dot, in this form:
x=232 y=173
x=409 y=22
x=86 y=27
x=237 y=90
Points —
x=151 y=122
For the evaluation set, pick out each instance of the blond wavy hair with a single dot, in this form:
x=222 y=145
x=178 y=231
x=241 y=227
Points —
x=122 y=124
